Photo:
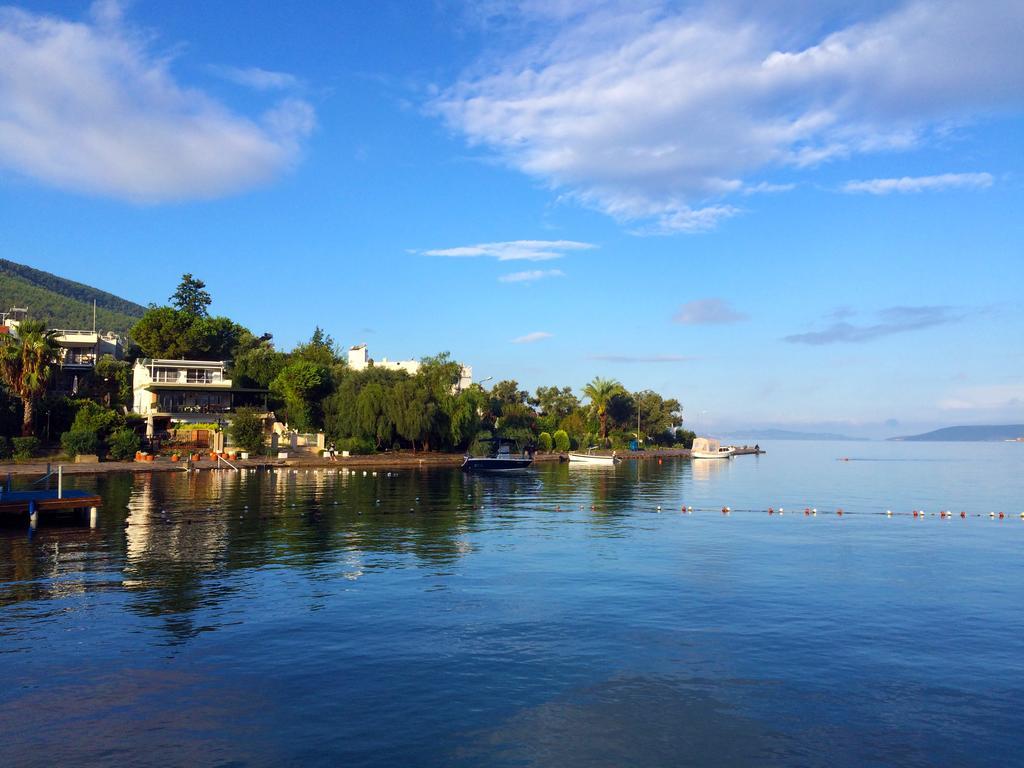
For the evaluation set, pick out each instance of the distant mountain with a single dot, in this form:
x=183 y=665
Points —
x=785 y=434
x=978 y=433
x=63 y=303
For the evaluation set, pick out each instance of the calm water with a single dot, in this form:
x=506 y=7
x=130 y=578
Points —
x=555 y=619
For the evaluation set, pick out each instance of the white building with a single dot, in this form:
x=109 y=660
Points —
x=78 y=350
x=359 y=360
x=82 y=349
x=187 y=391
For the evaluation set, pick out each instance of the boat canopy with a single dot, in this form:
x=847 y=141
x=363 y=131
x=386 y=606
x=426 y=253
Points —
x=708 y=444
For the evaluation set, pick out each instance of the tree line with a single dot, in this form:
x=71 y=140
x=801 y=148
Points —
x=311 y=388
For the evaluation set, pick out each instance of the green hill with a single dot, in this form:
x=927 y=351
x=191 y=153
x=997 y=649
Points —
x=63 y=303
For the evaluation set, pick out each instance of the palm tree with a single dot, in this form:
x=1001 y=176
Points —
x=25 y=365
x=600 y=392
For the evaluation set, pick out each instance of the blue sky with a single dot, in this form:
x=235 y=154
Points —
x=804 y=214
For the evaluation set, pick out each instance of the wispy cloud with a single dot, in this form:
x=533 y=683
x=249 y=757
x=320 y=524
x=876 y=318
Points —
x=88 y=106
x=708 y=312
x=514 y=250
x=530 y=338
x=643 y=358
x=766 y=188
x=1008 y=397
x=890 y=321
x=258 y=79
x=530 y=275
x=657 y=114
x=906 y=184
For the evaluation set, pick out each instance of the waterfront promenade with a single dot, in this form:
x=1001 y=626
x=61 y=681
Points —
x=389 y=460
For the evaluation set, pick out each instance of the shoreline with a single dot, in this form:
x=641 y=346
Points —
x=403 y=460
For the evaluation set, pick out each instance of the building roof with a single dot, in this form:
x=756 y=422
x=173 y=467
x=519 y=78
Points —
x=165 y=363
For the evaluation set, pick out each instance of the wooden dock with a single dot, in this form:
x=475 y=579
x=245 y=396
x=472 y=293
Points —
x=29 y=505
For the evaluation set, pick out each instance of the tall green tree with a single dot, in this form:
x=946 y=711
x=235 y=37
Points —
x=320 y=349
x=554 y=404
x=507 y=392
x=658 y=415
x=191 y=297
x=258 y=367
x=163 y=332
x=372 y=416
x=303 y=386
x=411 y=410
x=600 y=393
x=26 y=363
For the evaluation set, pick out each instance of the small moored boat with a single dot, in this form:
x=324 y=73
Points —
x=505 y=456
x=594 y=458
x=709 y=448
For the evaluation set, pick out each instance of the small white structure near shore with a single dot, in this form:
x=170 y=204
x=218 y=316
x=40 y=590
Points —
x=359 y=360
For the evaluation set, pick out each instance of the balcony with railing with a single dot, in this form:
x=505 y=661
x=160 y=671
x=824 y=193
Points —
x=78 y=358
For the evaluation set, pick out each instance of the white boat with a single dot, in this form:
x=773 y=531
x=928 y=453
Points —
x=594 y=458
x=709 y=448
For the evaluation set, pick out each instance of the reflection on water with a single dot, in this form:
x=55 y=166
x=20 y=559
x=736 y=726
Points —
x=551 y=618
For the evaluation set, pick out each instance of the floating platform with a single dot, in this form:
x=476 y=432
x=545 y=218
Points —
x=29 y=505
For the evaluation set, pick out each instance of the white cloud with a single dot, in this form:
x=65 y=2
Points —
x=921 y=183
x=708 y=312
x=654 y=116
x=530 y=275
x=530 y=338
x=259 y=79
x=88 y=106
x=514 y=250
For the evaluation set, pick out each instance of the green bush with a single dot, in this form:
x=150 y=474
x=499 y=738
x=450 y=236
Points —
x=5 y=448
x=544 y=442
x=246 y=430
x=356 y=446
x=76 y=442
x=122 y=444
x=561 y=440
x=93 y=417
x=25 y=447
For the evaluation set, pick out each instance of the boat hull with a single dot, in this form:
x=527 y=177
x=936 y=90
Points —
x=490 y=464
x=711 y=454
x=585 y=458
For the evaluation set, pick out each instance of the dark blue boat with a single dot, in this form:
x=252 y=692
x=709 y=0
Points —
x=505 y=456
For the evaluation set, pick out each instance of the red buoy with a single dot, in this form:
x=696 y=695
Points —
x=839 y=512
x=1001 y=515
x=963 y=514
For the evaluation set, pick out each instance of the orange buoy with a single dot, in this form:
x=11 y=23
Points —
x=659 y=461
